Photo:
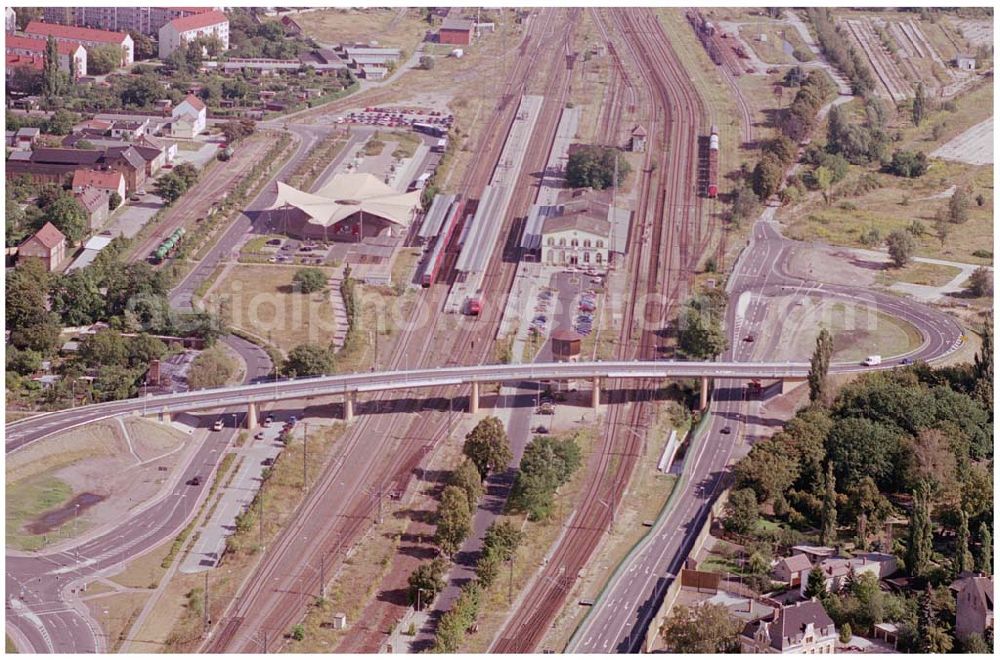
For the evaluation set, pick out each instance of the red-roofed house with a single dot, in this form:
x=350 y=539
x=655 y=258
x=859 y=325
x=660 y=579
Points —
x=69 y=52
x=189 y=117
x=95 y=201
x=109 y=180
x=188 y=28
x=87 y=36
x=48 y=244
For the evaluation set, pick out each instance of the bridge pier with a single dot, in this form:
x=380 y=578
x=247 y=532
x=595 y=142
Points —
x=789 y=384
x=595 y=394
x=704 y=393
x=474 y=398
x=349 y=400
x=166 y=417
x=251 y=416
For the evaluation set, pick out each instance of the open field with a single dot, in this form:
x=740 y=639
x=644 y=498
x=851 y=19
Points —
x=144 y=572
x=919 y=273
x=259 y=299
x=402 y=28
x=97 y=467
x=857 y=331
x=116 y=612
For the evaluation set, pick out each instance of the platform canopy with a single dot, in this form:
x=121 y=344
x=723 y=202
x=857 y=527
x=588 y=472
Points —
x=348 y=194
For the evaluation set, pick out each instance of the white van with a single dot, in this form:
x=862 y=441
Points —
x=872 y=360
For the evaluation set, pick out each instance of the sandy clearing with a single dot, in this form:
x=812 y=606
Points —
x=833 y=265
x=974 y=146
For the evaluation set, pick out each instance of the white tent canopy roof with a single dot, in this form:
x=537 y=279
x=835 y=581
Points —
x=348 y=194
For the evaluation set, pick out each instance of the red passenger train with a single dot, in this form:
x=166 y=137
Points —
x=432 y=266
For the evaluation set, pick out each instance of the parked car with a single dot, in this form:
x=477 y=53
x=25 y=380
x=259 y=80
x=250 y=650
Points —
x=194 y=481
x=218 y=425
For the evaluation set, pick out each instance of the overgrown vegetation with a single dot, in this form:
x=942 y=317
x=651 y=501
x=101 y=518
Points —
x=593 y=166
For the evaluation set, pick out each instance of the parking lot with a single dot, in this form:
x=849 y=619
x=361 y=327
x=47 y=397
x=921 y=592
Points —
x=280 y=250
x=569 y=301
x=397 y=117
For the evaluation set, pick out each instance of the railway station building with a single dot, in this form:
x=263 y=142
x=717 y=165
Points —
x=582 y=230
x=349 y=208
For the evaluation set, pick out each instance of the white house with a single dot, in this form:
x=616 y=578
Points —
x=189 y=118
x=11 y=22
x=801 y=628
x=188 y=28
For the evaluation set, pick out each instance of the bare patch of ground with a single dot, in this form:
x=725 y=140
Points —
x=832 y=266
x=391 y=27
x=857 y=331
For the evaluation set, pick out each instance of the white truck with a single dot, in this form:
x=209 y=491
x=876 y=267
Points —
x=872 y=360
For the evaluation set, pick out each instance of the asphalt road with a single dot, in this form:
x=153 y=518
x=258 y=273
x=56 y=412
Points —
x=620 y=617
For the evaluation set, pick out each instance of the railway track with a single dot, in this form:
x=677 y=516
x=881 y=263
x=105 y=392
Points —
x=661 y=256
x=267 y=608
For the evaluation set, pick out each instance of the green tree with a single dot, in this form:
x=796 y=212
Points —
x=963 y=558
x=488 y=447
x=188 y=173
x=908 y=164
x=140 y=91
x=708 y=628
x=53 y=79
x=426 y=62
x=984 y=558
x=819 y=365
x=310 y=280
x=309 y=360
x=24 y=362
x=958 y=206
x=919 y=539
x=143 y=47
x=114 y=383
x=104 y=348
x=824 y=178
x=980 y=283
x=901 y=246
x=27 y=290
x=768 y=469
x=61 y=122
x=298 y=632
x=859 y=448
x=767 y=176
x=466 y=476
x=815 y=583
x=983 y=367
x=170 y=187
x=69 y=217
x=547 y=464
x=103 y=59
x=919 y=103
x=846 y=633
x=426 y=582
x=114 y=200
x=143 y=349
x=454 y=520
x=700 y=332
x=741 y=512
x=593 y=166
x=210 y=368
x=828 y=530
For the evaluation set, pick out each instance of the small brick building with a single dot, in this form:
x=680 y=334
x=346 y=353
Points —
x=456 y=31
x=48 y=244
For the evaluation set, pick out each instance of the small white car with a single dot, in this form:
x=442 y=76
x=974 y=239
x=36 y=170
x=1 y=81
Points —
x=872 y=360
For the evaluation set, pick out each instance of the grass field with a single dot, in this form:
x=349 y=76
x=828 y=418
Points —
x=259 y=300
x=856 y=331
x=28 y=498
x=393 y=28
x=919 y=273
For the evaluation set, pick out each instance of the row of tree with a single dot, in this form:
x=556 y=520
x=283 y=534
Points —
x=176 y=182
x=835 y=45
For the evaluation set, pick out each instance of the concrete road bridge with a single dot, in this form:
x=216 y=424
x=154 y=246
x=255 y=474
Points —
x=349 y=386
